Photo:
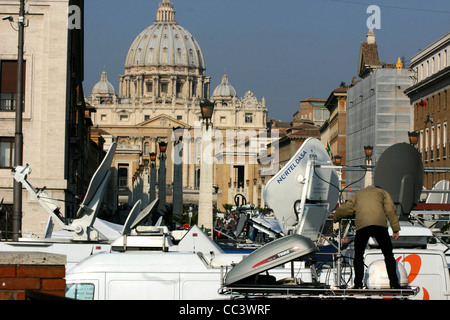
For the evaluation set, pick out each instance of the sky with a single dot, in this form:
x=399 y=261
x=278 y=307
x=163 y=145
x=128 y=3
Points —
x=284 y=51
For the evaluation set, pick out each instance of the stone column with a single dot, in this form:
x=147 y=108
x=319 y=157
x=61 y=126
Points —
x=205 y=206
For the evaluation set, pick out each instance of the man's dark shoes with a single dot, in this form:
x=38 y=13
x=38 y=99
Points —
x=357 y=287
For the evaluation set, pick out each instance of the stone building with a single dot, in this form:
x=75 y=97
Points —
x=334 y=131
x=312 y=109
x=337 y=106
x=430 y=99
x=378 y=111
x=56 y=121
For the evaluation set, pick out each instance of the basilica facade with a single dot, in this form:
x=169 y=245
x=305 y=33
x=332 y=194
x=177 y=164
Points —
x=163 y=83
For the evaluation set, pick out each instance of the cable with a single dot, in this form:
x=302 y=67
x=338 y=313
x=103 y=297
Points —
x=341 y=191
x=337 y=187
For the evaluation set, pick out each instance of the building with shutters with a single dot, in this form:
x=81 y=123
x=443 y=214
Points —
x=430 y=98
x=56 y=121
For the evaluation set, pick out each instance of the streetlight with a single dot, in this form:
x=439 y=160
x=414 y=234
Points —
x=152 y=176
x=368 y=150
x=162 y=176
x=338 y=160
x=18 y=139
x=178 y=171
x=207 y=109
x=163 y=147
x=205 y=207
x=413 y=137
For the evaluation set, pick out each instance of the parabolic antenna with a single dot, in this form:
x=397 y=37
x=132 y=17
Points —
x=399 y=171
x=98 y=182
x=286 y=187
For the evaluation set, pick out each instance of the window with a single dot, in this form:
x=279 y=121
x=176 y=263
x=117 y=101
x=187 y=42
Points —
x=164 y=87
x=6 y=225
x=179 y=117
x=165 y=53
x=421 y=142
x=439 y=62
x=8 y=84
x=149 y=87
x=432 y=144
x=439 y=102
x=122 y=175
x=445 y=59
x=103 y=117
x=146 y=117
x=444 y=102
x=249 y=118
x=438 y=141
x=6 y=152
x=194 y=89
x=80 y=291
x=444 y=140
x=123 y=117
x=239 y=176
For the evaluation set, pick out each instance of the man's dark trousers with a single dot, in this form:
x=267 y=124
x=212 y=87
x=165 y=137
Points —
x=381 y=235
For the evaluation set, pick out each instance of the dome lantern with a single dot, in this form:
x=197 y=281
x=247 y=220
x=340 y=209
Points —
x=165 y=12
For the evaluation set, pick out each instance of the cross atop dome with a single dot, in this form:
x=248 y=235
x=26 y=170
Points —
x=165 y=12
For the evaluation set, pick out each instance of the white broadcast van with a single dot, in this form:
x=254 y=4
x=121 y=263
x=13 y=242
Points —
x=197 y=269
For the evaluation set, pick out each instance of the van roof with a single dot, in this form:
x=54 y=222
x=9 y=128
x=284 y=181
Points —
x=150 y=262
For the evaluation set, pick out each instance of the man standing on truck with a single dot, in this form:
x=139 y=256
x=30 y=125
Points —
x=372 y=208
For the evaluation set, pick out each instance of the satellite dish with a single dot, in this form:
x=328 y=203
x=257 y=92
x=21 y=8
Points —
x=145 y=213
x=399 y=171
x=443 y=197
x=98 y=183
x=136 y=216
x=285 y=188
x=132 y=216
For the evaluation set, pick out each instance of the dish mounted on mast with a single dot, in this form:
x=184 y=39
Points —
x=399 y=171
x=304 y=191
x=82 y=226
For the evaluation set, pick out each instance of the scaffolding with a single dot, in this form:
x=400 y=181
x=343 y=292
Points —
x=379 y=114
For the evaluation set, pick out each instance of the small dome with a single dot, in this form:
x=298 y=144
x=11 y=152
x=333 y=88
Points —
x=224 y=89
x=104 y=87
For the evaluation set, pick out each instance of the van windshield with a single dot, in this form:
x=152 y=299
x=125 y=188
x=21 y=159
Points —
x=80 y=291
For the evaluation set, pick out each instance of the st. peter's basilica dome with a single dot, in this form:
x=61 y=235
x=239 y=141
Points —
x=165 y=43
x=164 y=60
